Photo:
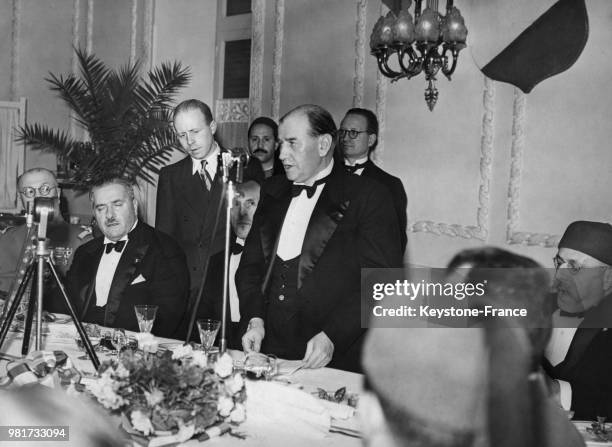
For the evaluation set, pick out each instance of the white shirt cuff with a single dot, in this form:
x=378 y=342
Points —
x=565 y=394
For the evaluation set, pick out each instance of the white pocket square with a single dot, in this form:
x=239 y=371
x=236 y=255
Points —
x=138 y=280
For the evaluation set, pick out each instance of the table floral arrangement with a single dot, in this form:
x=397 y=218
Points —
x=173 y=393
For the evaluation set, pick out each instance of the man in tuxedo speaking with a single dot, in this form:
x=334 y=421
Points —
x=579 y=354
x=314 y=230
x=131 y=264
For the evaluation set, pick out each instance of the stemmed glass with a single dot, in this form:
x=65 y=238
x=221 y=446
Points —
x=145 y=314
x=208 y=332
x=119 y=340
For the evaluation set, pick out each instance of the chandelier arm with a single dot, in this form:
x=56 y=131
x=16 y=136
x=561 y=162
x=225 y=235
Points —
x=383 y=65
x=414 y=67
x=455 y=54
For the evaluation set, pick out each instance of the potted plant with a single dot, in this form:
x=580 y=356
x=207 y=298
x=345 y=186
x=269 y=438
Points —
x=126 y=120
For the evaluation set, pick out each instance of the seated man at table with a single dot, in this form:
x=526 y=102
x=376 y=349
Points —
x=63 y=237
x=579 y=355
x=131 y=264
x=245 y=204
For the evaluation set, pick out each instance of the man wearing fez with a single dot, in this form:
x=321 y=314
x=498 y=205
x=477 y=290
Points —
x=263 y=144
x=189 y=191
x=63 y=237
x=358 y=137
x=315 y=229
x=131 y=264
x=579 y=355
x=211 y=305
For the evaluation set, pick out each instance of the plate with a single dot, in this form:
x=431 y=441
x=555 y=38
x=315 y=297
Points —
x=170 y=346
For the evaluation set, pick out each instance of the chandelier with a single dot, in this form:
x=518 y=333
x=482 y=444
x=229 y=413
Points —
x=429 y=43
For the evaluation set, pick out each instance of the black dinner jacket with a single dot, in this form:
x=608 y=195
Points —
x=149 y=255
x=352 y=226
x=187 y=212
x=588 y=364
x=398 y=193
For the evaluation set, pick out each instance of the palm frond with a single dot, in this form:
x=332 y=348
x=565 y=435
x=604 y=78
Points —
x=127 y=119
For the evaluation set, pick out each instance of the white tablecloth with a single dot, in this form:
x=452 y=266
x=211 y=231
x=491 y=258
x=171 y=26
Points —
x=260 y=432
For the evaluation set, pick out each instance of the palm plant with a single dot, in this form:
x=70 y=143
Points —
x=126 y=119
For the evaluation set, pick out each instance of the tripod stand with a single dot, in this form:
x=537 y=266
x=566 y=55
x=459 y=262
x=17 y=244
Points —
x=43 y=210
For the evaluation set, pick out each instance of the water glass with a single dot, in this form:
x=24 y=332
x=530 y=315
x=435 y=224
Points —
x=145 y=314
x=119 y=340
x=208 y=332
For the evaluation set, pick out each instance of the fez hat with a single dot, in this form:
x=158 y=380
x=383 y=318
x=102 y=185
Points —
x=591 y=238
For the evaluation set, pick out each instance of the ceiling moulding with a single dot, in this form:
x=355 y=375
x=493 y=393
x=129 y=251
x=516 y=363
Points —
x=479 y=231
x=277 y=63
x=257 y=55
x=360 y=54
x=514 y=237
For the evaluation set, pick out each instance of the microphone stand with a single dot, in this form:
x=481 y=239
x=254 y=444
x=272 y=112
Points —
x=232 y=168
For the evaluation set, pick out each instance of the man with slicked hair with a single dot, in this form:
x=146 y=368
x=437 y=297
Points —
x=263 y=144
x=314 y=230
x=358 y=137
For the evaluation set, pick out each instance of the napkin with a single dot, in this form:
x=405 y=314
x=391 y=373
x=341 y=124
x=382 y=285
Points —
x=287 y=408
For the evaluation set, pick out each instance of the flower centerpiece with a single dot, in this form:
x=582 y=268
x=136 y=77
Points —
x=174 y=393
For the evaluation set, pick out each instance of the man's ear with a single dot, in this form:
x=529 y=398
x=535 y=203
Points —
x=607 y=281
x=213 y=126
x=325 y=144
x=372 y=139
x=371 y=415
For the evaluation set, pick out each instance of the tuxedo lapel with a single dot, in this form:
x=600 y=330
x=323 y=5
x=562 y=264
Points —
x=135 y=250
x=87 y=291
x=327 y=213
x=274 y=213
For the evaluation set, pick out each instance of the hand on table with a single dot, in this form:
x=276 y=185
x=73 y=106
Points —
x=319 y=351
x=252 y=338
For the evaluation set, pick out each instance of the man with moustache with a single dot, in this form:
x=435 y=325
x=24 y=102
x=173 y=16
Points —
x=211 y=305
x=315 y=229
x=358 y=137
x=63 y=237
x=131 y=264
x=579 y=354
x=263 y=144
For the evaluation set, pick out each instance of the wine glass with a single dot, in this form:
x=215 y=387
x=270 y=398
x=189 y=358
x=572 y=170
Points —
x=208 y=332
x=145 y=314
x=119 y=340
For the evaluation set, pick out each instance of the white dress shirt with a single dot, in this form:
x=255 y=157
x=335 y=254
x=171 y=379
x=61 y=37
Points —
x=211 y=163
x=297 y=218
x=106 y=269
x=357 y=162
x=233 y=293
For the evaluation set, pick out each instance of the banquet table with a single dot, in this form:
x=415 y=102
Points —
x=260 y=432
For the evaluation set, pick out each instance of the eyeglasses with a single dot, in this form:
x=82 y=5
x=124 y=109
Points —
x=573 y=266
x=352 y=133
x=44 y=190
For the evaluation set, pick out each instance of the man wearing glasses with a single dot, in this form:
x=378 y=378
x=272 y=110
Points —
x=358 y=137
x=579 y=354
x=64 y=238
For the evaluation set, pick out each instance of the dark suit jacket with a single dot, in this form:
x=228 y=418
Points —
x=211 y=305
x=588 y=365
x=149 y=254
x=353 y=226
x=187 y=212
x=398 y=194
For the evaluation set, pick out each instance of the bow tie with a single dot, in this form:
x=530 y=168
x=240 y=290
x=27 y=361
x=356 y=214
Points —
x=237 y=249
x=355 y=168
x=296 y=190
x=117 y=246
x=571 y=314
